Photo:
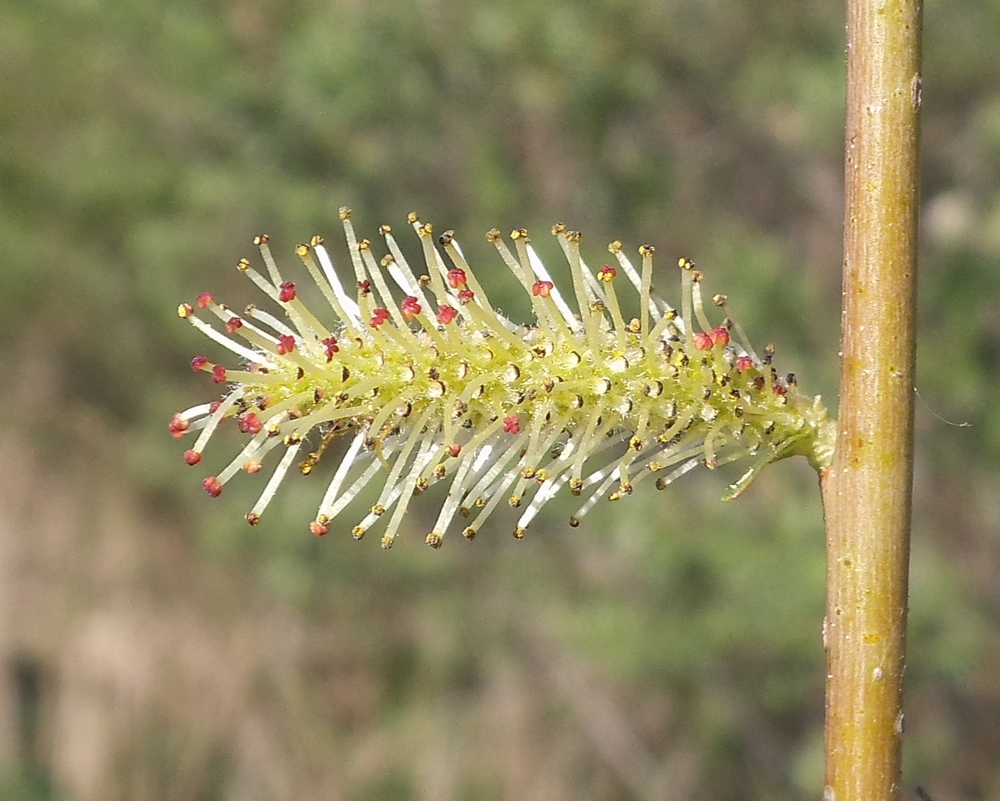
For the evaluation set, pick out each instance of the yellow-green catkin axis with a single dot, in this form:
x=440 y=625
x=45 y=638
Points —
x=425 y=382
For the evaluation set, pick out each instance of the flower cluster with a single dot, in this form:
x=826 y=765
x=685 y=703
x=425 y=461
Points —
x=438 y=386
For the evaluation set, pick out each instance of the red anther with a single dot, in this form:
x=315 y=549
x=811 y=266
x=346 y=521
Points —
x=702 y=341
x=465 y=296
x=212 y=486
x=379 y=316
x=456 y=278
x=233 y=324
x=213 y=407
x=199 y=363
x=446 y=314
x=744 y=363
x=192 y=457
x=219 y=374
x=512 y=425
x=319 y=529
x=454 y=450
x=252 y=466
x=758 y=382
x=720 y=335
x=205 y=300
x=779 y=389
x=606 y=273
x=286 y=292
x=410 y=307
x=178 y=425
x=249 y=423
x=252 y=518
x=541 y=289
x=364 y=288
x=330 y=346
x=286 y=344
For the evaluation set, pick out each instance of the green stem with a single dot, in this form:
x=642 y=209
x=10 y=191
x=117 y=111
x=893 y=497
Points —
x=867 y=491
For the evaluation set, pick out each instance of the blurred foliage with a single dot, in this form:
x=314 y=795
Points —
x=143 y=143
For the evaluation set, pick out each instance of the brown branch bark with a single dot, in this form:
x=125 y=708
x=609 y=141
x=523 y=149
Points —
x=867 y=491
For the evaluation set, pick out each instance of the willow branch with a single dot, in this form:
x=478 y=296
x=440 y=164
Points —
x=867 y=491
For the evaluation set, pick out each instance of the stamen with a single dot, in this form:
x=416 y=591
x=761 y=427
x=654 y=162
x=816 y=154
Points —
x=699 y=307
x=646 y=251
x=656 y=306
x=607 y=275
x=253 y=516
x=687 y=304
x=345 y=307
x=226 y=342
x=590 y=321
x=406 y=495
x=337 y=481
x=432 y=259
x=214 y=419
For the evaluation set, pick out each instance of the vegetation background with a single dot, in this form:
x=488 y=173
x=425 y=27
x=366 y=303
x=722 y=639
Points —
x=153 y=646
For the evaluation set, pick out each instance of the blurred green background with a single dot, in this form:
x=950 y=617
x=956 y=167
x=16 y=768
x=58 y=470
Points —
x=153 y=646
